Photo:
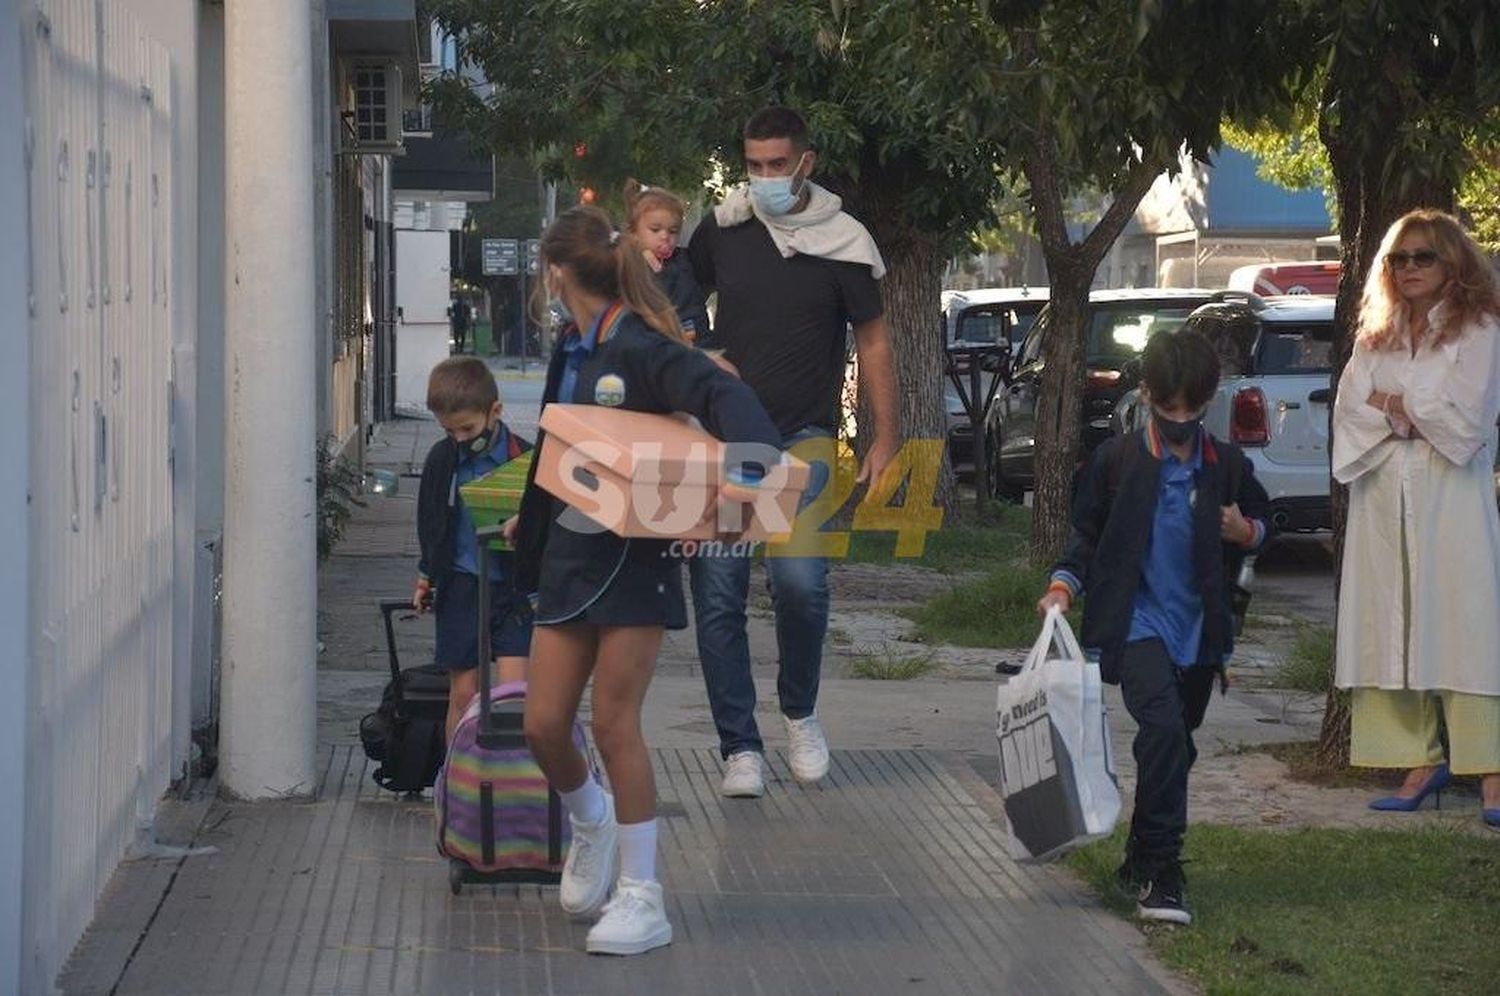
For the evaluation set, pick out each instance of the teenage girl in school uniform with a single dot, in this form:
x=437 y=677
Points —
x=604 y=602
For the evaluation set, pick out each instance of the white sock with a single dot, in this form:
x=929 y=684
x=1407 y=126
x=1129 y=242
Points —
x=585 y=804
x=638 y=850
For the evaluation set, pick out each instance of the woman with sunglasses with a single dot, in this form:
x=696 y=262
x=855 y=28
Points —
x=1414 y=435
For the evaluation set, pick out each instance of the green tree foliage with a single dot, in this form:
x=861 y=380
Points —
x=1112 y=94
x=904 y=99
x=1293 y=157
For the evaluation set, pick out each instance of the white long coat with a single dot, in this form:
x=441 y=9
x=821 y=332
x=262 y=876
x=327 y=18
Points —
x=1439 y=492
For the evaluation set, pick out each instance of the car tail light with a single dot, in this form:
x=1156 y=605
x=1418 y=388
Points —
x=1249 y=419
x=1101 y=379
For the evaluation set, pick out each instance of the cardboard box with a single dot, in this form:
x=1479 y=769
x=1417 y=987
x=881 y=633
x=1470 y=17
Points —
x=656 y=476
x=496 y=496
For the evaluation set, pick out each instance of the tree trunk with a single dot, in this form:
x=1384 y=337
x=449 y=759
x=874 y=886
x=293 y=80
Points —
x=1059 y=407
x=1070 y=270
x=1369 y=202
x=910 y=292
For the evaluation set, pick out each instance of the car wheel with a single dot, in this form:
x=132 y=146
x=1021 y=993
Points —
x=992 y=465
x=999 y=486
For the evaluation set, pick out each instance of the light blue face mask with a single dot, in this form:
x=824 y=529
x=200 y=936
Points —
x=777 y=195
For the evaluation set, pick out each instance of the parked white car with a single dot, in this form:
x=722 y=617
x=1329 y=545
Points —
x=1273 y=396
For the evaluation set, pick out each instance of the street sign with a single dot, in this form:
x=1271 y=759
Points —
x=533 y=255
x=500 y=257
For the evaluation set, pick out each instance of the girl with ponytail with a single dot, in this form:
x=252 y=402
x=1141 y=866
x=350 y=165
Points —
x=604 y=602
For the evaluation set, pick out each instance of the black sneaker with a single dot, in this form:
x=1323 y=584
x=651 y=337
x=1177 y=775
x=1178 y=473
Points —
x=1161 y=898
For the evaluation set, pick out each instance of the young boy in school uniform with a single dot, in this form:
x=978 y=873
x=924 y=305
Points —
x=1161 y=517
x=462 y=394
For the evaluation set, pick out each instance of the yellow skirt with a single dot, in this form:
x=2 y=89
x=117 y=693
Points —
x=1398 y=728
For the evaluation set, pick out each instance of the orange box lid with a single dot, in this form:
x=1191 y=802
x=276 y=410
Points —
x=644 y=446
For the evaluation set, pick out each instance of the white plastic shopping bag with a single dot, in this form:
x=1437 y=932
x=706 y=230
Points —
x=1057 y=770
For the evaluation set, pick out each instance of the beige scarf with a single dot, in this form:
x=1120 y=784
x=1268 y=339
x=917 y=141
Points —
x=822 y=228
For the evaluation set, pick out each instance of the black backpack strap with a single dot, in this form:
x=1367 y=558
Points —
x=1234 y=471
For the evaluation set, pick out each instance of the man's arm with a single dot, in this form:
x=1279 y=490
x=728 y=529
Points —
x=877 y=371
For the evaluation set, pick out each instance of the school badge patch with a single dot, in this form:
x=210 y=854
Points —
x=609 y=391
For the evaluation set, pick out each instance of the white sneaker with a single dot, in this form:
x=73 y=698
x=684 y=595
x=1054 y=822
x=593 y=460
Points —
x=590 y=869
x=809 y=748
x=742 y=776
x=634 y=921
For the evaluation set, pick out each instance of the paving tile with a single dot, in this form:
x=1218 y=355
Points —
x=891 y=876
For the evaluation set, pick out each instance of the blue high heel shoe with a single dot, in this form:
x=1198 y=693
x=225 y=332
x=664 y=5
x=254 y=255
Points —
x=1402 y=804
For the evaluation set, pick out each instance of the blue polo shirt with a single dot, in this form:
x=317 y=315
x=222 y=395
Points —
x=466 y=544
x=576 y=349
x=1168 y=604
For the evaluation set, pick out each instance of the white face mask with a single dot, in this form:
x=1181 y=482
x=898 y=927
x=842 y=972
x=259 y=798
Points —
x=777 y=195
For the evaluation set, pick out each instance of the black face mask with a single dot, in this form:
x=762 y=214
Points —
x=1178 y=433
x=480 y=444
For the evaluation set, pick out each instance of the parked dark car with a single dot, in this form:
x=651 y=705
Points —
x=980 y=318
x=1119 y=323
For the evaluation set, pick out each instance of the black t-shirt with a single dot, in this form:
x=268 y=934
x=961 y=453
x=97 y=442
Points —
x=782 y=321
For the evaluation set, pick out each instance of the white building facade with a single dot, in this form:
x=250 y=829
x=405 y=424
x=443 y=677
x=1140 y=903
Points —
x=187 y=309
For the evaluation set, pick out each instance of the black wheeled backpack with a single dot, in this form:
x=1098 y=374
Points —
x=405 y=735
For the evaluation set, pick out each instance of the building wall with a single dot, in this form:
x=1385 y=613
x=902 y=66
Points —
x=15 y=533
x=174 y=23
x=1194 y=228
x=104 y=227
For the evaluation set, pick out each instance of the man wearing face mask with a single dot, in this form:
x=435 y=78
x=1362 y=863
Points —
x=1161 y=518
x=793 y=273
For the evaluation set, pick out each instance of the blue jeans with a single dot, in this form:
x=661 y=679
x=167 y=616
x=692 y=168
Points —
x=799 y=595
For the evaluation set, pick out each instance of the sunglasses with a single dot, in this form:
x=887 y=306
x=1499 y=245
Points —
x=1423 y=258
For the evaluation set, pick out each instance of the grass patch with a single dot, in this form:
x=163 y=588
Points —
x=965 y=543
x=996 y=611
x=1308 y=668
x=892 y=667
x=1327 y=911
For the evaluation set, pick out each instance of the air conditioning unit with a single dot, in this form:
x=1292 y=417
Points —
x=375 y=121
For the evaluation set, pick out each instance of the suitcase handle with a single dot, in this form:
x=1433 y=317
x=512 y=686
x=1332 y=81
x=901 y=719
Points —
x=388 y=609
x=486 y=720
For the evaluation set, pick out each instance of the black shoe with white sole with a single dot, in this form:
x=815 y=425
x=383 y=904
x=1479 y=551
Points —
x=1161 y=897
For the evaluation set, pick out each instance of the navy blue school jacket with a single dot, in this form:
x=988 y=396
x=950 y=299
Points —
x=659 y=375
x=1114 y=507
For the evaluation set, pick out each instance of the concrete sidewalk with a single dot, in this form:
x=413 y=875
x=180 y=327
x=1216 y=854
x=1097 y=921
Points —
x=890 y=877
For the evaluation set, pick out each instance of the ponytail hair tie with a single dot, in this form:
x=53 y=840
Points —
x=614 y=239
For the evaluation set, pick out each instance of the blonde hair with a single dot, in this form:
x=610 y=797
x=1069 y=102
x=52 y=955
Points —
x=461 y=384
x=640 y=198
x=1470 y=292
x=584 y=241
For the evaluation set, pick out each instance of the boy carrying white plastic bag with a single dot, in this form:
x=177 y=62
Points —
x=1162 y=519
